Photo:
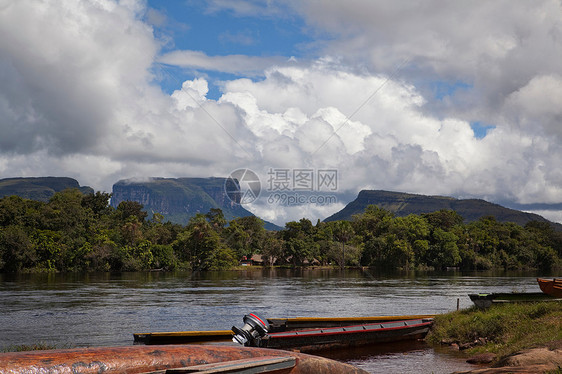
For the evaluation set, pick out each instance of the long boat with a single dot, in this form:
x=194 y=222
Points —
x=275 y=325
x=485 y=300
x=552 y=287
x=170 y=359
x=312 y=340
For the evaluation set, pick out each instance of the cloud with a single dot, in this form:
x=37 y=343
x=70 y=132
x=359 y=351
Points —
x=62 y=69
x=245 y=37
x=78 y=98
x=235 y=64
x=495 y=47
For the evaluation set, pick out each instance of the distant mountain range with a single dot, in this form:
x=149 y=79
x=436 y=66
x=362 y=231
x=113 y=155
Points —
x=178 y=199
x=403 y=204
x=40 y=189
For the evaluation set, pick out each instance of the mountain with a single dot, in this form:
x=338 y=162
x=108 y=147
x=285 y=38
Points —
x=41 y=188
x=178 y=199
x=403 y=204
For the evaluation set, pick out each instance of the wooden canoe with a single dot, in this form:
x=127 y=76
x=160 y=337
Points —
x=552 y=287
x=312 y=340
x=276 y=325
x=170 y=359
x=485 y=300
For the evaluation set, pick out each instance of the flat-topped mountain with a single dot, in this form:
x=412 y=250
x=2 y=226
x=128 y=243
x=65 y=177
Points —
x=403 y=204
x=178 y=199
x=40 y=188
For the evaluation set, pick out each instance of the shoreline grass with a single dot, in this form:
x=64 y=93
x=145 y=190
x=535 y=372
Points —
x=41 y=346
x=502 y=329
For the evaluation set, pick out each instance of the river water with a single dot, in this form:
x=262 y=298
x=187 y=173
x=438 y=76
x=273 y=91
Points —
x=81 y=310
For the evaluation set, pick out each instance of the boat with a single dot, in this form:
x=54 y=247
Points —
x=312 y=340
x=256 y=332
x=485 y=300
x=275 y=325
x=170 y=359
x=552 y=287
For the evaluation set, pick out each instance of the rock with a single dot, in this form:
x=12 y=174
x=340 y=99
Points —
x=535 y=356
x=531 y=361
x=481 y=341
x=447 y=342
x=531 y=369
x=483 y=358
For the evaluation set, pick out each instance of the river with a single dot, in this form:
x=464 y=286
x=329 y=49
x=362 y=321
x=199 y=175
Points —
x=81 y=310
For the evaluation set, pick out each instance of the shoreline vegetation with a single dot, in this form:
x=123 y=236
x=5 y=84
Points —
x=73 y=232
x=511 y=337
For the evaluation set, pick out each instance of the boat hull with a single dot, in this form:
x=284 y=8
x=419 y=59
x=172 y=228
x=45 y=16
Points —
x=157 y=359
x=552 y=287
x=314 y=340
x=486 y=300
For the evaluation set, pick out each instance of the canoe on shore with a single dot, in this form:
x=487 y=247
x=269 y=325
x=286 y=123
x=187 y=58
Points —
x=552 y=287
x=170 y=359
x=485 y=300
x=275 y=325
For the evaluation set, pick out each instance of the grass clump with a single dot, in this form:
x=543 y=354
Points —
x=502 y=329
x=29 y=347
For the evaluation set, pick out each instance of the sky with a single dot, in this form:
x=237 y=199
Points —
x=317 y=100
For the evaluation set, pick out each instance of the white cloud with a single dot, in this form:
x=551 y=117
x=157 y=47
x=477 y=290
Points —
x=236 y=64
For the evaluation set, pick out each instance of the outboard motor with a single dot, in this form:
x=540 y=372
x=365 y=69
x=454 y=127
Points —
x=254 y=329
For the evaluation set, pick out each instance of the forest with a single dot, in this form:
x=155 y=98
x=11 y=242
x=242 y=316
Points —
x=75 y=232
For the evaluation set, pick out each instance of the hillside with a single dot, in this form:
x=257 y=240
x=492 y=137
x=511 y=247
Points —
x=403 y=204
x=40 y=189
x=178 y=199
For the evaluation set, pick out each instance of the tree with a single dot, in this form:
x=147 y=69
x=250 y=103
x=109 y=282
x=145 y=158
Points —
x=443 y=251
x=204 y=247
x=16 y=250
x=343 y=232
x=299 y=241
x=444 y=219
x=216 y=218
x=372 y=223
x=126 y=209
x=272 y=248
x=97 y=203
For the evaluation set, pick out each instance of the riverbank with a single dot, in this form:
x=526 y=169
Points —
x=524 y=337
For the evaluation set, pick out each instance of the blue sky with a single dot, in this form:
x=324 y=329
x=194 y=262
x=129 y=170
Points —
x=197 y=26
x=459 y=99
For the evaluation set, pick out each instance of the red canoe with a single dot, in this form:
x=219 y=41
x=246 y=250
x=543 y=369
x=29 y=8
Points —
x=169 y=359
x=552 y=287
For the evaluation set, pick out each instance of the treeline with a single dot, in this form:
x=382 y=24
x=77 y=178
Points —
x=76 y=232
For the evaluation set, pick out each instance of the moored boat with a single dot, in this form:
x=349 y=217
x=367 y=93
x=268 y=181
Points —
x=347 y=336
x=552 y=287
x=256 y=333
x=485 y=300
x=170 y=359
x=275 y=325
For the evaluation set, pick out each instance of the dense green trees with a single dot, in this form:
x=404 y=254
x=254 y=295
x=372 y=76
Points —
x=75 y=232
